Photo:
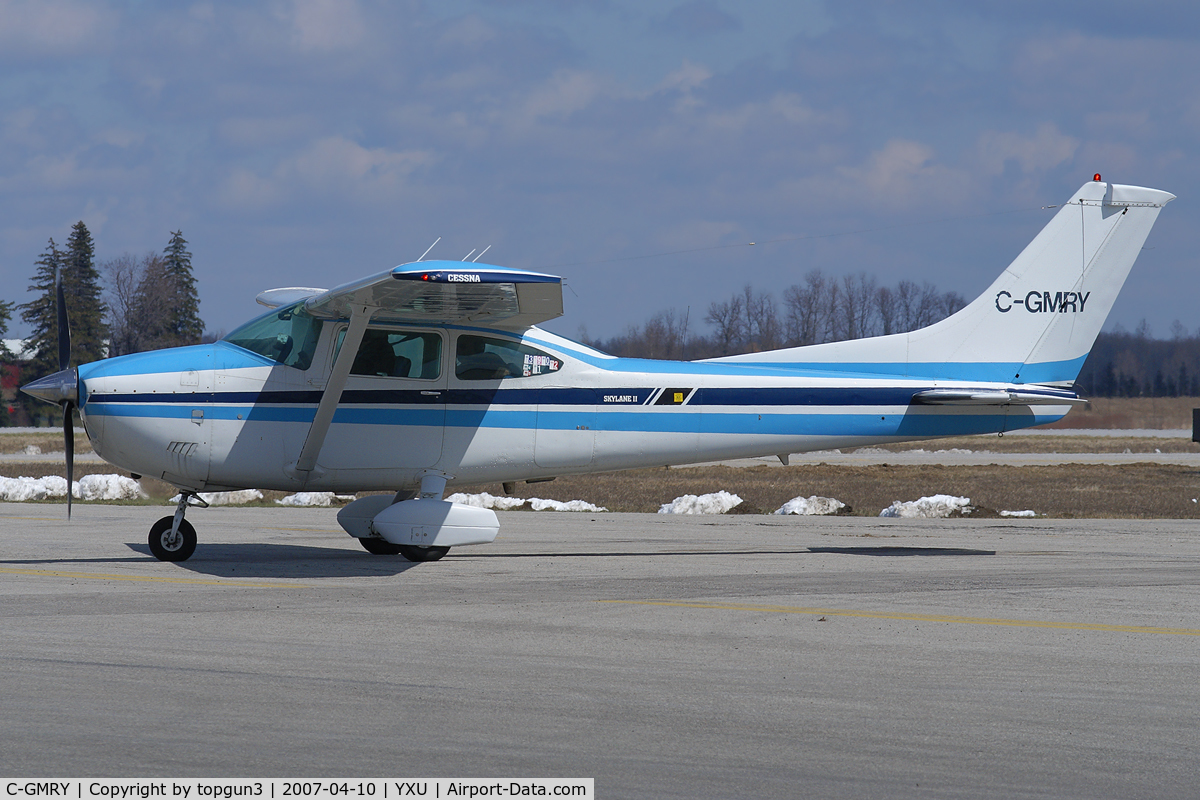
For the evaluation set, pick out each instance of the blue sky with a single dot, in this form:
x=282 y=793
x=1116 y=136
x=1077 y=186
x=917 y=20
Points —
x=311 y=142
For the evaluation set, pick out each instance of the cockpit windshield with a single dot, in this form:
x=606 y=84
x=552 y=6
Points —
x=286 y=335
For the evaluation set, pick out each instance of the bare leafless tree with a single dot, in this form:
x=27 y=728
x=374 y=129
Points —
x=807 y=307
x=857 y=306
x=124 y=276
x=762 y=329
x=886 y=310
x=664 y=334
x=728 y=319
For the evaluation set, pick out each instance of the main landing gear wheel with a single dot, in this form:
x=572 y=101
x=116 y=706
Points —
x=414 y=552
x=379 y=547
x=162 y=546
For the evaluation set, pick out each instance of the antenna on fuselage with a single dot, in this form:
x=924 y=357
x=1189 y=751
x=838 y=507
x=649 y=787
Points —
x=435 y=241
x=476 y=258
x=468 y=255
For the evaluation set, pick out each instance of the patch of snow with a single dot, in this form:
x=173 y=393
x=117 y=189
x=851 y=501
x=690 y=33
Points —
x=318 y=499
x=714 y=503
x=227 y=498
x=89 y=487
x=1025 y=513
x=32 y=450
x=811 y=506
x=16 y=490
x=485 y=500
x=935 y=506
x=107 y=487
x=953 y=451
x=557 y=505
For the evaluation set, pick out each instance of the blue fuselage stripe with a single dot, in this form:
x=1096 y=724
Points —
x=604 y=398
x=901 y=421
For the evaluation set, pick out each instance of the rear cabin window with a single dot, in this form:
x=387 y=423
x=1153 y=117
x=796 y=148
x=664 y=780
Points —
x=482 y=358
x=398 y=354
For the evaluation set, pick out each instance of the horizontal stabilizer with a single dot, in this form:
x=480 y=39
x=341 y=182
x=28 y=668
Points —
x=992 y=397
x=274 y=298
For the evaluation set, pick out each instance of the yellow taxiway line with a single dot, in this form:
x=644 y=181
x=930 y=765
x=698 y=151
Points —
x=54 y=573
x=841 y=612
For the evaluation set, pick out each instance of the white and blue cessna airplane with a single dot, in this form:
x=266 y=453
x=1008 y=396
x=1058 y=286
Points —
x=434 y=374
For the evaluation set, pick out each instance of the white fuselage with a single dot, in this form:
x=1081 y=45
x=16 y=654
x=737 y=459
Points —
x=219 y=417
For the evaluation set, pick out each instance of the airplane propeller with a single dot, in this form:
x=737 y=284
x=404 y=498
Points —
x=62 y=388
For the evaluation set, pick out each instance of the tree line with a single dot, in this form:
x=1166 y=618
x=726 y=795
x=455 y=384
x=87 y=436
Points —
x=820 y=309
x=826 y=309
x=126 y=305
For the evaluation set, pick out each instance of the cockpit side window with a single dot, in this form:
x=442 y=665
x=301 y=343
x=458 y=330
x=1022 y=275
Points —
x=399 y=354
x=287 y=336
x=483 y=358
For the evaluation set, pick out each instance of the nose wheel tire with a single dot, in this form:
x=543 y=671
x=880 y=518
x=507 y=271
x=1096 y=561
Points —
x=417 y=553
x=166 y=549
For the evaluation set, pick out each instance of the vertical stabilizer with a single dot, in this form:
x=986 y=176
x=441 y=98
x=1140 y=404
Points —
x=1037 y=322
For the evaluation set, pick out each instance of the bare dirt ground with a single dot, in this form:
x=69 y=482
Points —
x=1155 y=413
x=1136 y=491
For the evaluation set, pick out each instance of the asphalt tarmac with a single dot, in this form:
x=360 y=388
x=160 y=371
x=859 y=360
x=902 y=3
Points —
x=664 y=656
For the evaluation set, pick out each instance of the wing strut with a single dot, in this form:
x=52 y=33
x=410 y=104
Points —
x=360 y=315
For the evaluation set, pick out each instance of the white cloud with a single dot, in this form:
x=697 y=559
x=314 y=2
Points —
x=470 y=31
x=332 y=166
x=326 y=25
x=48 y=27
x=1046 y=149
x=566 y=92
x=264 y=131
x=697 y=233
x=690 y=75
x=905 y=172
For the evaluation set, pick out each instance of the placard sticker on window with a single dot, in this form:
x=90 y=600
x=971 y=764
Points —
x=540 y=364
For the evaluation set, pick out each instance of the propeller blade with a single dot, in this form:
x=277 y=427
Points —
x=64 y=325
x=69 y=448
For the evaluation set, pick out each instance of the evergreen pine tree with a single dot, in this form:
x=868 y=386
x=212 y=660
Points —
x=5 y=355
x=85 y=305
x=5 y=317
x=41 y=313
x=85 y=312
x=184 y=323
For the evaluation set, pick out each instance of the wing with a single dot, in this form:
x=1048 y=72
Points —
x=447 y=292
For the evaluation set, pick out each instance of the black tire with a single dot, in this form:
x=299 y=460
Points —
x=415 y=552
x=379 y=547
x=184 y=547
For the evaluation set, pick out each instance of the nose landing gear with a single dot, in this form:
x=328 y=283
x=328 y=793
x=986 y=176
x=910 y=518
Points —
x=173 y=538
